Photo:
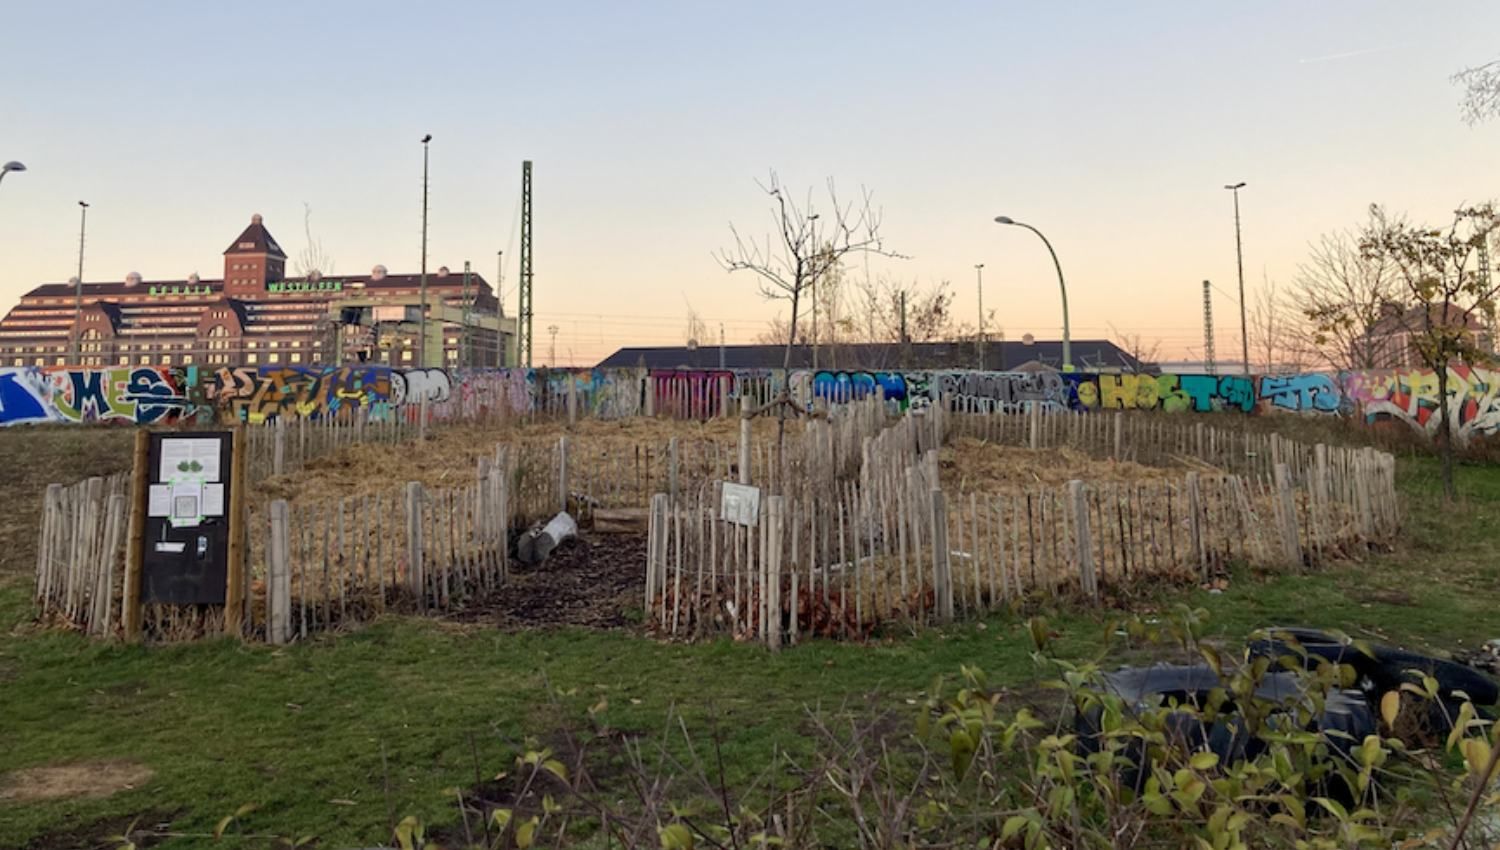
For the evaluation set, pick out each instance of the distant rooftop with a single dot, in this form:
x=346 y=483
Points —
x=1088 y=355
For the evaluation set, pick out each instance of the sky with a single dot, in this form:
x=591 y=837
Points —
x=1112 y=127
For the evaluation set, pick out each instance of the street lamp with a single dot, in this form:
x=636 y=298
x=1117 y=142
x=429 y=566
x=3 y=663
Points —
x=422 y=328
x=979 y=274
x=1239 y=257
x=9 y=167
x=83 y=220
x=1061 y=285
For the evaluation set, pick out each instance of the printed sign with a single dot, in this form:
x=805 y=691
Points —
x=740 y=504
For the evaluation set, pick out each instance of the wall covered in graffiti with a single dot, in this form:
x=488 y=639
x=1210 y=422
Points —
x=151 y=395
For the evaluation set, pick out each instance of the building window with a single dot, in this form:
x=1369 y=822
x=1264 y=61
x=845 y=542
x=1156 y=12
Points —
x=187 y=359
x=251 y=344
x=166 y=360
x=19 y=361
x=218 y=338
x=252 y=358
x=406 y=355
x=273 y=344
x=62 y=361
x=124 y=360
x=273 y=357
x=295 y=357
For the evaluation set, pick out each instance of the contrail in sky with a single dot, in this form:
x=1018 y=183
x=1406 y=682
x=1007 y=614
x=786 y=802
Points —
x=1348 y=55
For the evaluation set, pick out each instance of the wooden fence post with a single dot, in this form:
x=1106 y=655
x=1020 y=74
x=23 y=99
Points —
x=1195 y=522
x=942 y=576
x=1119 y=435
x=414 y=577
x=1286 y=509
x=130 y=616
x=1035 y=416
x=658 y=533
x=672 y=469
x=279 y=576
x=1080 y=502
x=775 y=511
x=744 y=459
x=278 y=450
x=562 y=473
x=236 y=578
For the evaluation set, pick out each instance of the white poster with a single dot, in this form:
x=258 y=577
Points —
x=187 y=503
x=213 y=499
x=195 y=458
x=160 y=502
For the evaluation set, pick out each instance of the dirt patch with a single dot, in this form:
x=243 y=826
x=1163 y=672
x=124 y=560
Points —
x=84 y=779
x=143 y=830
x=970 y=465
x=594 y=581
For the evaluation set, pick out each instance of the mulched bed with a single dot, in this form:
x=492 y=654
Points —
x=594 y=581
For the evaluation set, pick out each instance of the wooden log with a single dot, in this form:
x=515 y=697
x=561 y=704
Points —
x=1195 y=524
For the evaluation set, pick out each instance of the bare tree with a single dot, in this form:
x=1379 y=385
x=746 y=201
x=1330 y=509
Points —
x=696 y=330
x=1448 y=292
x=1481 y=83
x=312 y=258
x=804 y=245
x=1141 y=351
x=1342 y=293
x=1275 y=335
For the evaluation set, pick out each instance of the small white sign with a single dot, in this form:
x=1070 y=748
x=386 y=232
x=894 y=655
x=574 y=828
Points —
x=740 y=504
x=160 y=502
x=213 y=499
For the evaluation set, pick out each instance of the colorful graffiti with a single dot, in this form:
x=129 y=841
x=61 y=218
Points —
x=141 y=395
x=146 y=395
x=1411 y=396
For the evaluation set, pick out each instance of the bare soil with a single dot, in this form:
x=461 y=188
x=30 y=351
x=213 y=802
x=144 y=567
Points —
x=593 y=581
x=83 y=779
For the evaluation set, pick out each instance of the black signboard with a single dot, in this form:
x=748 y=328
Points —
x=185 y=557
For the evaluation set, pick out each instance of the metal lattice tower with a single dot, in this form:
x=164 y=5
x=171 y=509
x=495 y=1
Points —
x=524 y=311
x=1208 y=330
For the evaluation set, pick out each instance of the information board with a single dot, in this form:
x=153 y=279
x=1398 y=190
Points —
x=185 y=558
x=740 y=504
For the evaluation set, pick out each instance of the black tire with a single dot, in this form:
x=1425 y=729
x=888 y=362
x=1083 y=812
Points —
x=1384 y=669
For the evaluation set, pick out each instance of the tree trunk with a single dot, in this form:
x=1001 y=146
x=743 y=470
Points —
x=1445 y=434
x=786 y=390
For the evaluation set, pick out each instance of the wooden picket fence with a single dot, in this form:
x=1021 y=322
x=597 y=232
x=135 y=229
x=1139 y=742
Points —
x=835 y=556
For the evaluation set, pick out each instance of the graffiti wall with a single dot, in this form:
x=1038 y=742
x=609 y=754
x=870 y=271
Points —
x=149 y=395
x=140 y=395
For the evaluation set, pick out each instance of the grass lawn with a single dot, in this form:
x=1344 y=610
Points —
x=332 y=736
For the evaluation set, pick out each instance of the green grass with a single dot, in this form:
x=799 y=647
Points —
x=384 y=717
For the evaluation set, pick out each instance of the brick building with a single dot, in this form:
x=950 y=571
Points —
x=256 y=315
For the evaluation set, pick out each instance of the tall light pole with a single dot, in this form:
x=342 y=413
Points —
x=83 y=220
x=1061 y=285
x=1239 y=257
x=552 y=353
x=499 y=309
x=813 y=230
x=979 y=275
x=422 y=326
x=9 y=167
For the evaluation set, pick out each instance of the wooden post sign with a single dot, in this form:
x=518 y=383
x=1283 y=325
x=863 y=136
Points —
x=187 y=525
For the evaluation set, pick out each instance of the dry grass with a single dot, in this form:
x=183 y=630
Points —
x=971 y=465
x=33 y=457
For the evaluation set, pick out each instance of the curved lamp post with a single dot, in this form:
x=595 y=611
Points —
x=9 y=167
x=1062 y=285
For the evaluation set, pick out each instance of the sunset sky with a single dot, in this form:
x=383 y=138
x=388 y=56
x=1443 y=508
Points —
x=1112 y=127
